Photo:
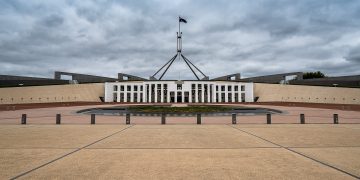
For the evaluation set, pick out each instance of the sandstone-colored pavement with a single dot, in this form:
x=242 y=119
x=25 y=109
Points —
x=179 y=150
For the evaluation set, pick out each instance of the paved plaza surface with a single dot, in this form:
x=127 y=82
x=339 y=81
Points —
x=181 y=149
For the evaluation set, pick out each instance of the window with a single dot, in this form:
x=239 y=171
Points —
x=229 y=88
x=141 y=88
x=135 y=88
x=121 y=88
x=242 y=88
x=115 y=88
x=217 y=88
x=236 y=88
x=179 y=87
x=222 y=88
x=192 y=86
x=199 y=86
x=128 y=88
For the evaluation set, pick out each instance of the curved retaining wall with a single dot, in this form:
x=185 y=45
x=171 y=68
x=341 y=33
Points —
x=54 y=93
x=309 y=94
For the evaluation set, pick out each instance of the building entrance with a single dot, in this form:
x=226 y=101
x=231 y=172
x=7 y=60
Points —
x=172 y=96
x=179 y=97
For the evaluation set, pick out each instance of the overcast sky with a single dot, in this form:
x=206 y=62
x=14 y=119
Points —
x=137 y=37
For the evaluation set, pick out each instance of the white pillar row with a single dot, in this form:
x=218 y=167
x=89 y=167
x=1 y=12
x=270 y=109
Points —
x=162 y=93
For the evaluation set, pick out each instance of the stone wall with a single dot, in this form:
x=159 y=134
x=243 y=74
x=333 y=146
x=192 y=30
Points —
x=54 y=93
x=310 y=94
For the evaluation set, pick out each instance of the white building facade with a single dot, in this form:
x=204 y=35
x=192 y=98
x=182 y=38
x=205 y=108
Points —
x=171 y=91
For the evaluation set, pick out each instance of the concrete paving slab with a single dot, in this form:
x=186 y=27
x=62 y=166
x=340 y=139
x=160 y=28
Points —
x=195 y=136
x=17 y=161
x=344 y=158
x=307 y=135
x=53 y=136
x=268 y=163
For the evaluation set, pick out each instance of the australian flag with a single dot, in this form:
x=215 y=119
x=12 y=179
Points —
x=182 y=20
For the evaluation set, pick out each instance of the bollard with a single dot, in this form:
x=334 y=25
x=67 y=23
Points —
x=127 y=118
x=336 y=119
x=233 y=117
x=58 y=118
x=92 y=118
x=198 y=117
x=163 y=118
x=23 y=119
x=302 y=118
x=268 y=118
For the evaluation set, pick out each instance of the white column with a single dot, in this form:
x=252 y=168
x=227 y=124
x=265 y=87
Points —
x=232 y=93
x=125 y=92
x=162 y=93
x=118 y=93
x=175 y=93
x=202 y=93
x=156 y=94
x=190 y=95
x=239 y=92
x=182 y=96
x=196 y=93
x=149 y=92
x=208 y=93
x=226 y=93
x=144 y=92
x=168 y=93
x=138 y=94
x=213 y=93
x=132 y=93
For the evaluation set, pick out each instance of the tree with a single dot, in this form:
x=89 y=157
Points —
x=313 y=75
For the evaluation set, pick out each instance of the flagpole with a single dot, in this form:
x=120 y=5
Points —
x=179 y=40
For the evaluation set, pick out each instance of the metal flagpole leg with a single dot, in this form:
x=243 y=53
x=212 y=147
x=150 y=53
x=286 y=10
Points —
x=168 y=67
x=164 y=65
x=190 y=68
x=193 y=65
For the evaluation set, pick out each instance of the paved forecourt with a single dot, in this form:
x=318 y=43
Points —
x=243 y=151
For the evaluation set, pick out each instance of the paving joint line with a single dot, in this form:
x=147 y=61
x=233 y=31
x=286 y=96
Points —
x=67 y=154
x=188 y=148
x=254 y=147
x=301 y=154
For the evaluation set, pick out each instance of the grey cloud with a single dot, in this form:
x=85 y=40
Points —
x=137 y=37
x=53 y=21
x=354 y=55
